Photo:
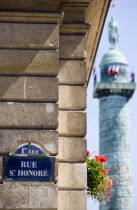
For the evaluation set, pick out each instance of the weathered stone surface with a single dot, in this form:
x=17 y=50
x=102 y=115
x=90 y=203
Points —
x=120 y=108
x=119 y=203
x=25 y=195
x=115 y=157
x=29 y=35
x=72 y=15
x=28 y=88
x=122 y=179
x=112 y=102
x=72 y=123
x=72 y=176
x=31 y=5
x=111 y=135
x=72 y=97
x=116 y=114
x=72 y=200
x=115 y=123
x=32 y=115
x=119 y=167
x=72 y=149
x=72 y=72
x=73 y=46
x=34 y=62
x=123 y=191
x=10 y=139
x=115 y=146
x=45 y=194
x=1 y=169
x=106 y=208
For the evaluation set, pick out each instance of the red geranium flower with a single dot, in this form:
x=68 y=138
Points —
x=105 y=171
x=101 y=159
x=88 y=153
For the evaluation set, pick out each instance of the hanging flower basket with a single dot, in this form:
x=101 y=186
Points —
x=98 y=182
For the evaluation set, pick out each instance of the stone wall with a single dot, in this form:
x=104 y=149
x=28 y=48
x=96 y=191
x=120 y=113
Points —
x=43 y=67
x=29 y=66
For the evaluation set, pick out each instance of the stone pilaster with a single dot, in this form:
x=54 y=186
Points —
x=72 y=105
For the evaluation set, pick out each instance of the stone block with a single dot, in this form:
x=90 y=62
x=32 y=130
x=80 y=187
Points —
x=72 y=200
x=28 y=115
x=28 y=88
x=31 y=5
x=72 y=123
x=31 y=35
x=33 y=62
x=74 y=16
x=1 y=169
x=72 y=176
x=72 y=72
x=72 y=97
x=73 y=46
x=72 y=149
x=28 y=195
x=45 y=195
x=10 y=139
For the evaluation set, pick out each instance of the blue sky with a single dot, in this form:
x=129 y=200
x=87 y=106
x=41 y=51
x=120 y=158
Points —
x=125 y=13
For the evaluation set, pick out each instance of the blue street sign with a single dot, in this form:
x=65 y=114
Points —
x=29 y=168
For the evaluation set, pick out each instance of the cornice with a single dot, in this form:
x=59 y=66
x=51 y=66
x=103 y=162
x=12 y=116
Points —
x=74 y=28
x=31 y=17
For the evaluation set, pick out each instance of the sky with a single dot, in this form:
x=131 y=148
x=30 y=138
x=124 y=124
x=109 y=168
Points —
x=125 y=13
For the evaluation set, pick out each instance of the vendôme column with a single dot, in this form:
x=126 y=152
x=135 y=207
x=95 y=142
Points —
x=114 y=91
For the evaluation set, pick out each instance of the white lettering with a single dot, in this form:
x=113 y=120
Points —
x=12 y=172
x=23 y=149
x=37 y=152
x=23 y=164
x=35 y=173
x=40 y=173
x=25 y=173
x=19 y=172
x=45 y=173
x=29 y=151
x=30 y=173
x=28 y=164
x=34 y=164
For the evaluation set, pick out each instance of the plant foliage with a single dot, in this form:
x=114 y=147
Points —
x=98 y=182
